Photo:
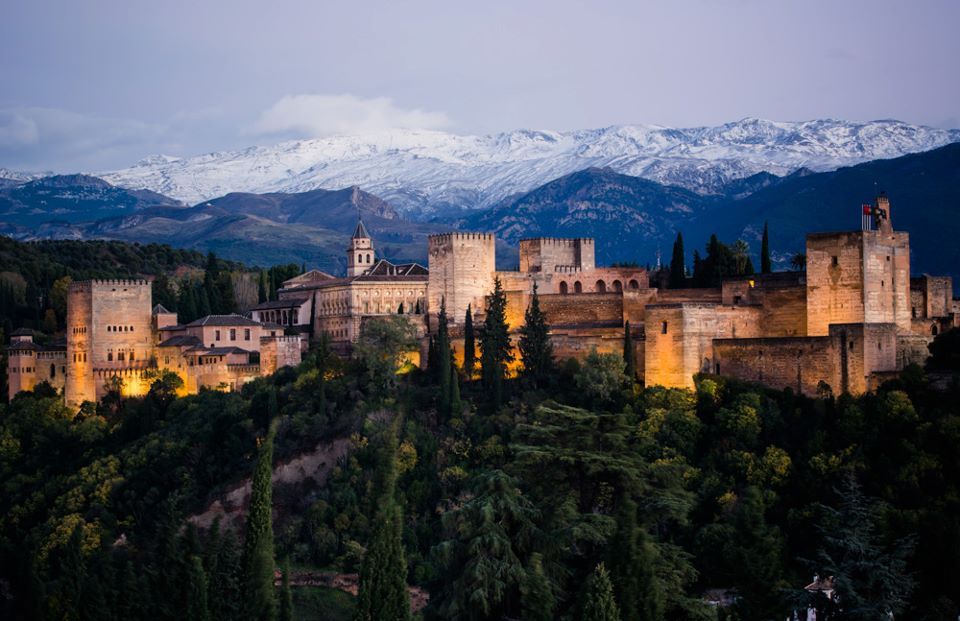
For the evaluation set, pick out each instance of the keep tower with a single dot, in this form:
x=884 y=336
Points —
x=360 y=254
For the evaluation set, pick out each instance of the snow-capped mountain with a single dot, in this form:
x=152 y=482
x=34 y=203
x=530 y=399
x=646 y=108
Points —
x=423 y=173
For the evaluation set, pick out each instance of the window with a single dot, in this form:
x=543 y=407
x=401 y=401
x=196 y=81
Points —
x=601 y=286
x=577 y=287
x=109 y=355
x=663 y=327
x=131 y=355
x=634 y=284
x=718 y=368
x=233 y=334
x=120 y=356
x=53 y=371
x=217 y=335
x=563 y=288
x=835 y=260
x=246 y=334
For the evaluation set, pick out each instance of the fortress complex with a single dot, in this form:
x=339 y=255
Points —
x=116 y=337
x=853 y=319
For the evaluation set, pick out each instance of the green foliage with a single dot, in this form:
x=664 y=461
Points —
x=495 y=348
x=535 y=348
x=678 y=269
x=629 y=354
x=259 y=603
x=286 y=595
x=632 y=567
x=602 y=377
x=765 y=267
x=197 y=607
x=721 y=261
x=469 y=345
x=945 y=350
x=381 y=349
x=598 y=602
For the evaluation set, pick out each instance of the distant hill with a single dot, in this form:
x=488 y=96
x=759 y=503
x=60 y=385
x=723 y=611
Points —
x=71 y=198
x=260 y=229
x=924 y=191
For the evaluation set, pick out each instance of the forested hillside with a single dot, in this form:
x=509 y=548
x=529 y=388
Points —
x=500 y=496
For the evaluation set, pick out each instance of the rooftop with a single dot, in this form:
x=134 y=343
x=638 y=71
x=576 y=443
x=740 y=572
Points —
x=222 y=320
x=285 y=303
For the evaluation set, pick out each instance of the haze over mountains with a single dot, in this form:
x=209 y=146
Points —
x=631 y=217
x=426 y=174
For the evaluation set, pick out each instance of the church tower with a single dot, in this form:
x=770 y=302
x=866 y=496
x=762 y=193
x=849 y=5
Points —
x=360 y=254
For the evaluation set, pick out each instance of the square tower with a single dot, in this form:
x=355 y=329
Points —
x=462 y=269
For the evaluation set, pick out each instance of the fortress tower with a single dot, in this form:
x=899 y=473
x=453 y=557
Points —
x=551 y=254
x=462 y=269
x=360 y=254
x=859 y=276
x=109 y=326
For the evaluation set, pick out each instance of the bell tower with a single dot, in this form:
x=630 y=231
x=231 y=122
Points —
x=360 y=254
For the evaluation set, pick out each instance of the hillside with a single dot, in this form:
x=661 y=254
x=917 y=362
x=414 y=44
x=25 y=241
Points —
x=425 y=174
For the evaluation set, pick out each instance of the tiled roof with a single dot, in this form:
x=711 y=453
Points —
x=222 y=320
x=181 y=340
x=160 y=310
x=217 y=351
x=22 y=332
x=287 y=303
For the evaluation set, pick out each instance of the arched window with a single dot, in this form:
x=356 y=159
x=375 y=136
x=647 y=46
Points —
x=53 y=371
x=617 y=286
x=601 y=287
x=577 y=287
x=563 y=288
x=933 y=329
x=634 y=284
x=368 y=257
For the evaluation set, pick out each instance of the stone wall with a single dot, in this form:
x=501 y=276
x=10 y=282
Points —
x=678 y=343
x=931 y=296
x=462 y=268
x=799 y=363
x=585 y=309
x=546 y=254
x=277 y=352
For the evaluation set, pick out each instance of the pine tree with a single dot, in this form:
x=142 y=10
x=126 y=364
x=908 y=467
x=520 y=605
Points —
x=187 y=304
x=203 y=303
x=536 y=592
x=678 y=270
x=765 y=251
x=286 y=596
x=259 y=602
x=599 y=603
x=629 y=354
x=227 y=295
x=262 y=293
x=536 y=350
x=469 y=345
x=383 y=576
x=495 y=349
x=197 y=606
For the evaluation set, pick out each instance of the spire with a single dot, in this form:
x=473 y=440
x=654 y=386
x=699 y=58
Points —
x=361 y=231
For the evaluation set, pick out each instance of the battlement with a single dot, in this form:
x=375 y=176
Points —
x=567 y=269
x=280 y=338
x=446 y=237
x=87 y=285
x=559 y=241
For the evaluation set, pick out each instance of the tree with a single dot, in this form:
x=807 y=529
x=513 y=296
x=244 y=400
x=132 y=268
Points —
x=601 y=377
x=286 y=596
x=765 y=251
x=469 y=346
x=629 y=354
x=632 y=568
x=871 y=579
x=678 y=270
x=945 y=350
x=536 y=350
x=58 y=299
x=197 y=606
x=259 y=603
x=495 y=348
x=443 y=359
x=263 y=293
x=456 y=405
x=537 y=597
x=599 y=603
x=382 y=348
x=799 y=262
x=382 y=593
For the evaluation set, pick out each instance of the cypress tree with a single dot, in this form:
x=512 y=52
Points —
x=227 y=296
x=678 y=269
x=765 y=251
x=259 y=603
x=286 y=597
x=223 y=577
x=443 y=359
x=262 y=293
x=197 y=606
x=535 y=348
x=495 y=351
x=456 y=405
x=383 y=576
x=631 y=569
x=187 y=304
x=203 y=303
x=629 y=354
x=599 y=603
x=469 y=345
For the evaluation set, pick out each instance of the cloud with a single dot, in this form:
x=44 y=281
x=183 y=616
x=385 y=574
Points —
x=311 y=116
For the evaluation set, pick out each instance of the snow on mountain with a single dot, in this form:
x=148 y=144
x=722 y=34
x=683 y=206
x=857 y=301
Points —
x=423 y=173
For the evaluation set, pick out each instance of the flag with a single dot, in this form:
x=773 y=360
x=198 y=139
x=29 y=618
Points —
x=867 y=210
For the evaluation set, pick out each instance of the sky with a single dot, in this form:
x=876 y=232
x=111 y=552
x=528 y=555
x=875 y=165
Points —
x=100 y=84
